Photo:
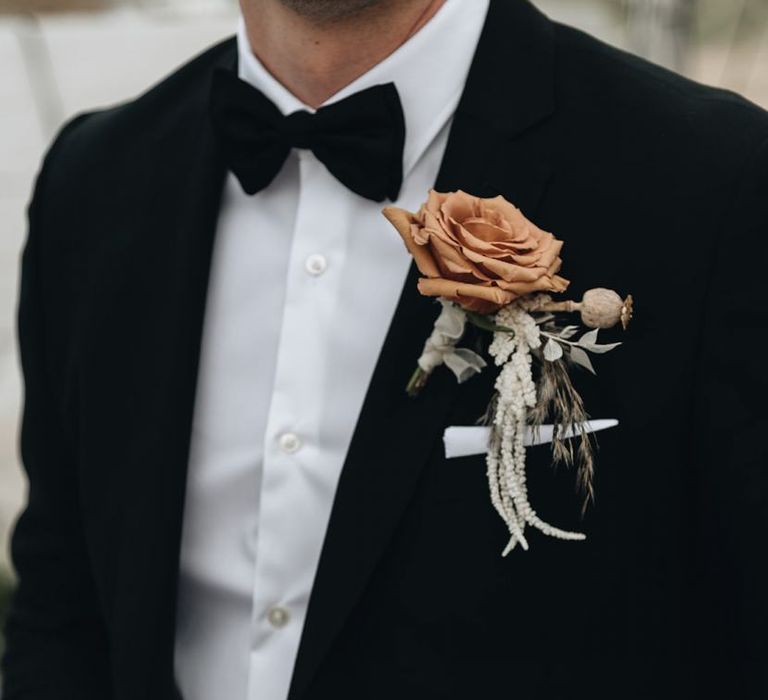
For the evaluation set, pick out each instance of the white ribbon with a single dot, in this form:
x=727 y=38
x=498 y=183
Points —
x=441 y=347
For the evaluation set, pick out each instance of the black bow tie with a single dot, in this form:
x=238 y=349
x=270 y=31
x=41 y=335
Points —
x=359 y=139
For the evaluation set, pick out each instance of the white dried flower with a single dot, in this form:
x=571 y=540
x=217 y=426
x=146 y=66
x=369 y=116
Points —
x=517 y=394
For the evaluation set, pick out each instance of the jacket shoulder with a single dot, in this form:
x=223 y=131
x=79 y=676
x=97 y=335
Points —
x=95 y=158
x=90 y=143
x=621 y=92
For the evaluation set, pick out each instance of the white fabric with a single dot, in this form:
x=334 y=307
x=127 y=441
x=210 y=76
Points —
x=471 y=440
x=305 y=279
x=440 y=348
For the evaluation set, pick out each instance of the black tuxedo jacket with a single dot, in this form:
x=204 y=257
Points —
x=658 y=186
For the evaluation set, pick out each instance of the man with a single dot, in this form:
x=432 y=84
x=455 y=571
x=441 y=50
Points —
x=231 y=495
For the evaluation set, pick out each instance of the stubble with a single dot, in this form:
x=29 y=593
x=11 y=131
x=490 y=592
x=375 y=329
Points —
x=329 y=10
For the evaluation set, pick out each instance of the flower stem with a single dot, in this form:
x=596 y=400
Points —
x=562 y=306
x=417 y=382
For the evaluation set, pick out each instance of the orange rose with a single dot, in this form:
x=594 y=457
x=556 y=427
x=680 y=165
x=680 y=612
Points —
x=480 y=253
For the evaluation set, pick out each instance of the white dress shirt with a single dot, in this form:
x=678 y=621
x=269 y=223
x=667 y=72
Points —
x=304 y=282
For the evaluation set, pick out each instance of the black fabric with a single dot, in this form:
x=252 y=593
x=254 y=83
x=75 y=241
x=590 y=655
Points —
x=658 y=186
x=359 y=139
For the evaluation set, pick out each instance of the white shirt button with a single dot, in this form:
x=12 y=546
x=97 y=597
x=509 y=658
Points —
x=290 y=443
x=316 y=265
x=278 y=617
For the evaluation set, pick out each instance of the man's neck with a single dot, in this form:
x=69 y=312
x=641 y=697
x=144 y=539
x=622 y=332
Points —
x=314 y=59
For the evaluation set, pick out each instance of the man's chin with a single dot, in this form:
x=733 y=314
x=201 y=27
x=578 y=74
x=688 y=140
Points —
x=325 y=10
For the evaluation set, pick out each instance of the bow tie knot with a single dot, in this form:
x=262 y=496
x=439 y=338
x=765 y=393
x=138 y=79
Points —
x=359 y=139
x=296 y=130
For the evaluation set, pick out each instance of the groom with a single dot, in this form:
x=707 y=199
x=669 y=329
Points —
x=231 y=495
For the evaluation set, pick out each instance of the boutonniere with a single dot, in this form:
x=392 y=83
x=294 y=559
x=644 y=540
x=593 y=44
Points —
x=491 y=267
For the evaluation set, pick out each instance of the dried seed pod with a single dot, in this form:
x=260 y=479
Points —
x=627 y=311
x=600 y=308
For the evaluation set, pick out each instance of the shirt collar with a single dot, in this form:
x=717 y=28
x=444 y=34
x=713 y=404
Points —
x=429 y=71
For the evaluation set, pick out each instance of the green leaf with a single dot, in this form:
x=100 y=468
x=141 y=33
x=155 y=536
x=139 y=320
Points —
x=486 y=323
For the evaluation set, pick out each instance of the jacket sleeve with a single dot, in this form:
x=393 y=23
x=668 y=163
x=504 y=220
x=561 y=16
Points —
x=56 y=641
x=729 y=486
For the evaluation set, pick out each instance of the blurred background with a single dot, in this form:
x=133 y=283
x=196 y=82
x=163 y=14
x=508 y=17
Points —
x=60 y=57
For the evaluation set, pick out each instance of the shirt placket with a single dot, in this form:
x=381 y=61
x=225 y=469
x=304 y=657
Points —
x=295 y=488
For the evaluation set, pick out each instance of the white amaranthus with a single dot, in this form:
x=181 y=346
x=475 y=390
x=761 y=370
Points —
x=516 y=394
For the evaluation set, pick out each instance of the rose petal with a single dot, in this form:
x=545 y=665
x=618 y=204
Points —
x=498 y=269
x=403 y=221
x=542 y=284
x=430 y=222
x=508 y=211
x=530 y=260
x=549 y=249
x=459 y=206
x=484 y=235
x=435 y=201
x=450 y=259
x=462 y=291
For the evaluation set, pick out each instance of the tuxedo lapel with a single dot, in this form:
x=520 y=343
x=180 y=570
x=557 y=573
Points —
x=487 y=154
x=197 y=198
x=151 y=284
